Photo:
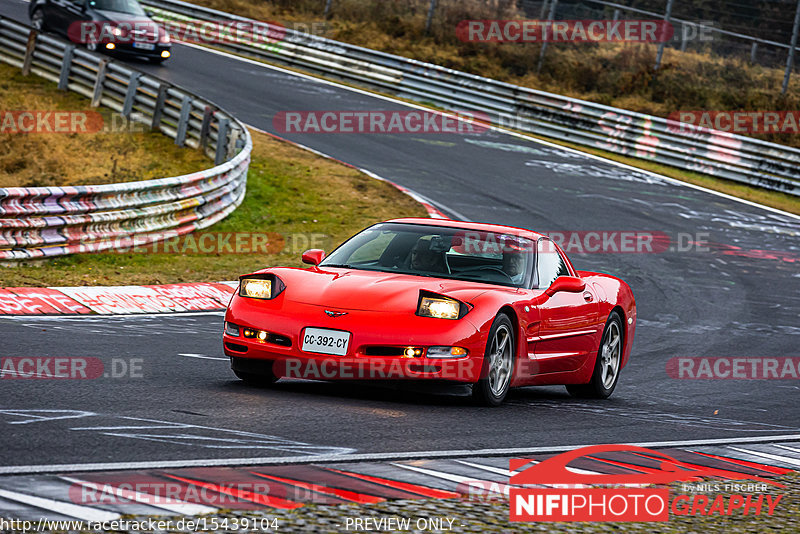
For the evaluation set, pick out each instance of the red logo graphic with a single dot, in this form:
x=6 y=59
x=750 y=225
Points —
x=619 y=503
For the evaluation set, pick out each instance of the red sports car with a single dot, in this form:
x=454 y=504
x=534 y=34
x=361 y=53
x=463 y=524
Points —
x=482 y=304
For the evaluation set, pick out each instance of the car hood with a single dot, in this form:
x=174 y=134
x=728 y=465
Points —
x=350 y=289
x=117 y=16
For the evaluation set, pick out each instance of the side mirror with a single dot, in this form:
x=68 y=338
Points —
x=150 y=13
x=570 y=284
x=313 y=256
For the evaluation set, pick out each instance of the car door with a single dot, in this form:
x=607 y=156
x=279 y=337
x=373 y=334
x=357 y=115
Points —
x=61 y=13
x=568 y=321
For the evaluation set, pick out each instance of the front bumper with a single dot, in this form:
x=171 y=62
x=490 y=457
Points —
x=134 y=49
x=281 y=352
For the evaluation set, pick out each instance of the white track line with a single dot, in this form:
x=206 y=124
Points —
x=787 y=448
x=175 y=506
x=775 y=457
x=487 y=485
x=202 y=357
x=84 y=513
x=492 y=127
x=391 y=456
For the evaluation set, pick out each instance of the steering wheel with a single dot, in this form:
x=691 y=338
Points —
x=491 y=268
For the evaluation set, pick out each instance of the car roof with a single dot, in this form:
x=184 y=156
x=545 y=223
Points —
x=486 y=227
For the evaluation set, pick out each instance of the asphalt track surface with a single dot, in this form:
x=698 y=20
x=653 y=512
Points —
x=187 y=404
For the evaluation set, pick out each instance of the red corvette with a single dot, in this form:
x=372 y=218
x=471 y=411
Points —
x=483 y=304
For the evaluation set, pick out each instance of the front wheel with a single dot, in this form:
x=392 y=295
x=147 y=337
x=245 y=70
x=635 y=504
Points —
x=498 y=364
x=256 y=379
x=608 y=364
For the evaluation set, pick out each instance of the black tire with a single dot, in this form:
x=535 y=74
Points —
x=601 y=385
x=253 y=379
x=491 y=389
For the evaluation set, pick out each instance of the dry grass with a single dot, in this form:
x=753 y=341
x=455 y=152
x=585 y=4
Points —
x=58 y=159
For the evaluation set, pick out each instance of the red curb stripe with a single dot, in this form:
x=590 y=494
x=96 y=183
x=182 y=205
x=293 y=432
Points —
x=341 y=493
x=404 y=486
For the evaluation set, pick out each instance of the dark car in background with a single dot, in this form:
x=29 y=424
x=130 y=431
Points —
x=110 y=26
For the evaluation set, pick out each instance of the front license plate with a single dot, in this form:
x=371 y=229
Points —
x=144 y=46
x=324 y=341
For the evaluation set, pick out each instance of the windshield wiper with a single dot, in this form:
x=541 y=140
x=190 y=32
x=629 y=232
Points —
x=342 y=265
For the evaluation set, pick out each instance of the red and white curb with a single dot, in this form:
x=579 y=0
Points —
x=116 y=300
x=198 y=490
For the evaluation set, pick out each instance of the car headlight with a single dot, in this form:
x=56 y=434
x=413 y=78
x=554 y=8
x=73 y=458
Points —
x=117 y=31
x=260 y=286
x=440 y=307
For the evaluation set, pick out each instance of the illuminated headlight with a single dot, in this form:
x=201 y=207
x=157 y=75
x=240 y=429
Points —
x=439 y=307
x=263 y=286
x=447 y=352
x=117 y=31
x=257 y=289
x=231 y=329
x=164 y=38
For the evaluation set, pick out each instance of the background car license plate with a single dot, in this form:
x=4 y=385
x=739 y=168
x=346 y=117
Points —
x=324 y=341
x=144 y=46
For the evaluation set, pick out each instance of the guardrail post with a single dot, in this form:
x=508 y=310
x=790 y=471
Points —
x=66 y=67
x=222 y=142
x=753 y=50
x=29 y=48
x=205 y=127
x=792 y=46
x=130 y=95
x=550 y=16
x=327 y=9
x=155 y=124
x=97 y=94
x=183 y=121
x=429 y=22
x=663 y=43
x=234 y=138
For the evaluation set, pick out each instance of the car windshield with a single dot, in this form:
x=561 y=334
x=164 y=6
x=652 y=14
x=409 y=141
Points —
x=435 y=251
x=130 y=7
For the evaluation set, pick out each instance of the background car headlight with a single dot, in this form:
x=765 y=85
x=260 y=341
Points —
x=439 y=307
x=254 y=288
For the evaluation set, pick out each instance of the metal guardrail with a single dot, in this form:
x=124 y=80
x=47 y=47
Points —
x=724 y=155
x=52 y=221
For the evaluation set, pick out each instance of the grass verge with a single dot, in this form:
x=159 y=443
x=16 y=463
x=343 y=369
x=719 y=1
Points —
x=121 y=152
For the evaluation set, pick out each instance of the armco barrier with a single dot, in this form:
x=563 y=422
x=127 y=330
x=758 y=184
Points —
x=52 y=221
x=734 y=157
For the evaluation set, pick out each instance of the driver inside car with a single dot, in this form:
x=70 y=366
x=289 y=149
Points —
x=513 y=265
x=424 y=259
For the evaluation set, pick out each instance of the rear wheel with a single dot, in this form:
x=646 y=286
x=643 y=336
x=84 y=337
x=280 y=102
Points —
x=498 y=364
x=608 y=364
